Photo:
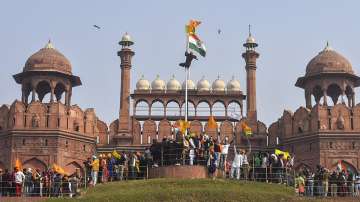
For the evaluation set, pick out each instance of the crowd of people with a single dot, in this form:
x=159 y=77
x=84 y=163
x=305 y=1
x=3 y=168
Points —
x=323 y=182
x=220 y=156
x=30 y=182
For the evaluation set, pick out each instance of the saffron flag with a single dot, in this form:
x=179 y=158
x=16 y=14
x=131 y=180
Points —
x=196 y=44
x=246 y=129
x=191 y=27
x=182 y=125
x=18 y=164
x=212 y=123
x=59 y=169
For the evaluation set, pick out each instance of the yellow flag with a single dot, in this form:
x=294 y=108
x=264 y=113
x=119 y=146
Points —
x=182 y=125
x=285 y=153
x=59 y=169
x=115 y=154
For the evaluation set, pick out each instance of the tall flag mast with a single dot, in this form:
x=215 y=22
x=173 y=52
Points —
x=193 y=44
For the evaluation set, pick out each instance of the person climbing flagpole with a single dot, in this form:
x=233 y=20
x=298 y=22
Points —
x=193 y=44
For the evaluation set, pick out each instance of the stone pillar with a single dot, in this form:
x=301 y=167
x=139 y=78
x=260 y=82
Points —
x=325 y=97
x=125 y=55
x=250 y=57
x=308 y=99
x=353 y=100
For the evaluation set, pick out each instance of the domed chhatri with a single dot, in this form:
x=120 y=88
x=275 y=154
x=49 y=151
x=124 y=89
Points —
x=158 y=84
x=126 y=40
x=48 y=59
x=328 y=61
x=203 y=85
x=173 y=84
x=218 y=85
x=233 y=85
x=143 y=84
x=190 y=85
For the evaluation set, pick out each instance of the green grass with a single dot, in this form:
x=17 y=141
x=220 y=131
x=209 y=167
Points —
x=187 y=190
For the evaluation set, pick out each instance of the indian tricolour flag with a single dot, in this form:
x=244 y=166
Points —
x=196 y=45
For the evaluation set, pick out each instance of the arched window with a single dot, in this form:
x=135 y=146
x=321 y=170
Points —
x=203 y=109
x=157 y=108
x=43 y=89
x=218 y=109
x=59 y=91
x=191 y=109
x=142 y=108
x=172 y=109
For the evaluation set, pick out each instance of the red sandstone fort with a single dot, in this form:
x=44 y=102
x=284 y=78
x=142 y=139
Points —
x=41 y=132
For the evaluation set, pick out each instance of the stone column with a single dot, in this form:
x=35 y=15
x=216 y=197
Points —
x=325 y=97
x=353 y=100
x=308 y=99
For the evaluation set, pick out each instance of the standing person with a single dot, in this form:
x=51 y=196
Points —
x=37 y=183
x=264 y=165
x=7 y=183
x=1 y=183
x=236 y=164
x=333 y=183
x=132 y=165
x=95 y=169
x=342 y=183
x=19 y=179
x=350 y=183
x=357 y=185
x=245 y=165
x=28 y=183
x=325 y=182
x=257 y=166
x=57 y=184
x=211 y=163
x=217 y=151
x=310 y=184
x=223 y=155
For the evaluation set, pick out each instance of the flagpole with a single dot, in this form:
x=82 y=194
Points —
x=186 y=85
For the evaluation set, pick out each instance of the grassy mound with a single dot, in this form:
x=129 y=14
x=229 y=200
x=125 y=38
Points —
x=186 y=190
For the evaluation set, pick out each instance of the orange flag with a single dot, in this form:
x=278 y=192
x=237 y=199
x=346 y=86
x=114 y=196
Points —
x=18 y=164
x=212 y=123
x=59 y=169
x=190 y=28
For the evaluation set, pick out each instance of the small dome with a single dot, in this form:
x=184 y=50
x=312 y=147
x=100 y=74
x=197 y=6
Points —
x=48 y=59
x=173 y=84
x=203 y=85
x=250 y=39
x=233 y=85
x=126 y=40
x=190 y=85
x=218 y=85
x=143 y=84
x=158 y=84
x=328 y=61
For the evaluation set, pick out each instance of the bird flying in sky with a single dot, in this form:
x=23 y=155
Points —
x=97 y=27
x=219 y=31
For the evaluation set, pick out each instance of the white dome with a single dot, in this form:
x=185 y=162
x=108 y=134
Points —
x=158 y=84
x=203 y=85
x=250 y=39
x=126 y=40
x=190 y=85
x=173 y=84
x=233 y=85
x=218 y=85
x=142 y=84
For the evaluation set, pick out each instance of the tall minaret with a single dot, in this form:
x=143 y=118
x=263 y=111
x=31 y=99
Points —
x=125 y=55
x=250 y=57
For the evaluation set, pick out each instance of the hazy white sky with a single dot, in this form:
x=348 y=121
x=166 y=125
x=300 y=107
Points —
x=289 y=34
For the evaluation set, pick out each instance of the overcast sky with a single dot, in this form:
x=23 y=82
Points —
x=289 y=35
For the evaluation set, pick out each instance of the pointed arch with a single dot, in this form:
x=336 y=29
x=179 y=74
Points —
x=71 y=168
x=35 y=163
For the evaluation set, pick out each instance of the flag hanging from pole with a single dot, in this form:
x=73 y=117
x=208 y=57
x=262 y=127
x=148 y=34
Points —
x=246 y=129
x=212 y=123
x=196 y=44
